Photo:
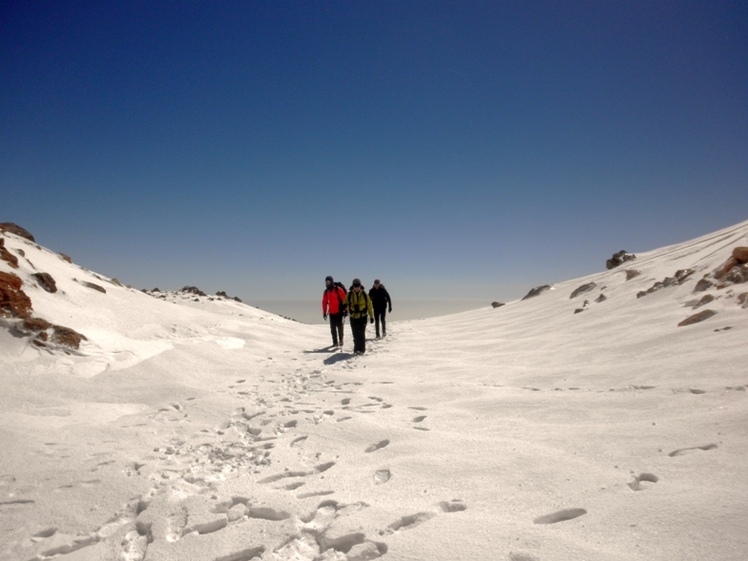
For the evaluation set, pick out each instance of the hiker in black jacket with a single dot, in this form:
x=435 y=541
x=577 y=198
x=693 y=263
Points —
x=381 y=301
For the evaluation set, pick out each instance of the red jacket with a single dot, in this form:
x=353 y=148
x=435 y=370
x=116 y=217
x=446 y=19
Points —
x=332 y=299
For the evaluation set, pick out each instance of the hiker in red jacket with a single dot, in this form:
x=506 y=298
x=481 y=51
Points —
x=332 y=305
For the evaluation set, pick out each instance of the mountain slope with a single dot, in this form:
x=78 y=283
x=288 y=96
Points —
x=192 y=429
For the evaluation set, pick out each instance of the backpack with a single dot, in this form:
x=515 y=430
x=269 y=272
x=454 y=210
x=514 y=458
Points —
x=337 y=285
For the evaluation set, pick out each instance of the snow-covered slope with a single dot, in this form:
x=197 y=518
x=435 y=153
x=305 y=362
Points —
x=588 y=422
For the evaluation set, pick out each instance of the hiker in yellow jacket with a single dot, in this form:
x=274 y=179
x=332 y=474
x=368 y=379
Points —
x=358 y=305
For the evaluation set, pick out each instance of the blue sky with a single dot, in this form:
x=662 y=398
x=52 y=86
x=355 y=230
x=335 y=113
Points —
x=453 y=149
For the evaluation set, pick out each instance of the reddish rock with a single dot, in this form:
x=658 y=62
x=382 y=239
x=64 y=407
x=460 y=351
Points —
x=722 y=270
x=743 y=299
x=16 y=229
x=13 y=300
x=65 y=258
x=6 y=255
x=46 y=281
x=66 y=336
x=740 y=254
x=696 y=318
x=36 y=324
x=737 y=275
x=705 y=300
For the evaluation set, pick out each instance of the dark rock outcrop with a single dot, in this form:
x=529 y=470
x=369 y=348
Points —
x=696 y=318
x=497 y=304
x=679 y=278
x=582 y=289
x=223 y=294
x=193 y=290
x=94 y=286
x=618 y=258
x=46 y=281
x=17 y=230
x=632 y=274
x=537 y=291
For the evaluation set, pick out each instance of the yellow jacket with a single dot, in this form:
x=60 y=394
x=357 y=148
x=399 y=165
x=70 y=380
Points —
x=358 y=304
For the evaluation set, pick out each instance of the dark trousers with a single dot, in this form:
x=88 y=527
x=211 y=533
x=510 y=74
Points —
x=358 y=328
x=379 y=315
x=336 y=328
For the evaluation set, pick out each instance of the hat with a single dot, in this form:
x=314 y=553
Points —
x=356 y=282
x=328 y=278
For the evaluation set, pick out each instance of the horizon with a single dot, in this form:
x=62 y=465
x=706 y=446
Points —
x=452 y=150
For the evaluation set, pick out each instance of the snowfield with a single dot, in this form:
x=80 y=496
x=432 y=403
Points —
x=597 y=427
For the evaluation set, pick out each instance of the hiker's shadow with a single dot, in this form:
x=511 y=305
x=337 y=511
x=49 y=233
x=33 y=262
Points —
x=324 y=350
x=337 y=357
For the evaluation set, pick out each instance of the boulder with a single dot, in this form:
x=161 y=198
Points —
x=46 y=281
x=17 y=230
x=740 y=254
x=618 y=258
x=497 y=304
x=632 y=274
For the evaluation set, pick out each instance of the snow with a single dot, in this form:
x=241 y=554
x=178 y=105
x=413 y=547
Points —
x=198 y=428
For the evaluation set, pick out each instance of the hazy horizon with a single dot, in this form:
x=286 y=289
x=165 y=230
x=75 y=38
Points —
x=309 y=311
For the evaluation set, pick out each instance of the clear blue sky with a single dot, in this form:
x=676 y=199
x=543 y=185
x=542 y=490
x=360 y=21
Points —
x=466 y=149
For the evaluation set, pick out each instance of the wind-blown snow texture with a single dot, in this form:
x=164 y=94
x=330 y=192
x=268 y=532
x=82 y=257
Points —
x=187 y=427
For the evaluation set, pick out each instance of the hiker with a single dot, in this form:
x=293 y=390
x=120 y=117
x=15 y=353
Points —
x=332 y=305
x=380 y=300
x=358 y=305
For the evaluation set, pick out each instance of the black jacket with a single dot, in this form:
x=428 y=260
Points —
x=380 y=298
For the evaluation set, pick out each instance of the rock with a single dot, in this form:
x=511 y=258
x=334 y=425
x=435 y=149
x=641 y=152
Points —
x=696 y=318
x=537 y=291
x=618 y=258
x=6 y=255
x=193 y=290
x=632 y=274
x=740 y=254
x=737 y=275
x=66 y=258
x=67 y=337
x=94 y=286
x=222 y=294
x=13 y=300
x=725 y=268
x=743 y=299
x=46 y=281
x=679 y=278
x=497 y=304
x=36 y=324
x=702 y=285
x=17 y=230
x=601 y=298
x=705 y=300
x=582 y=289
